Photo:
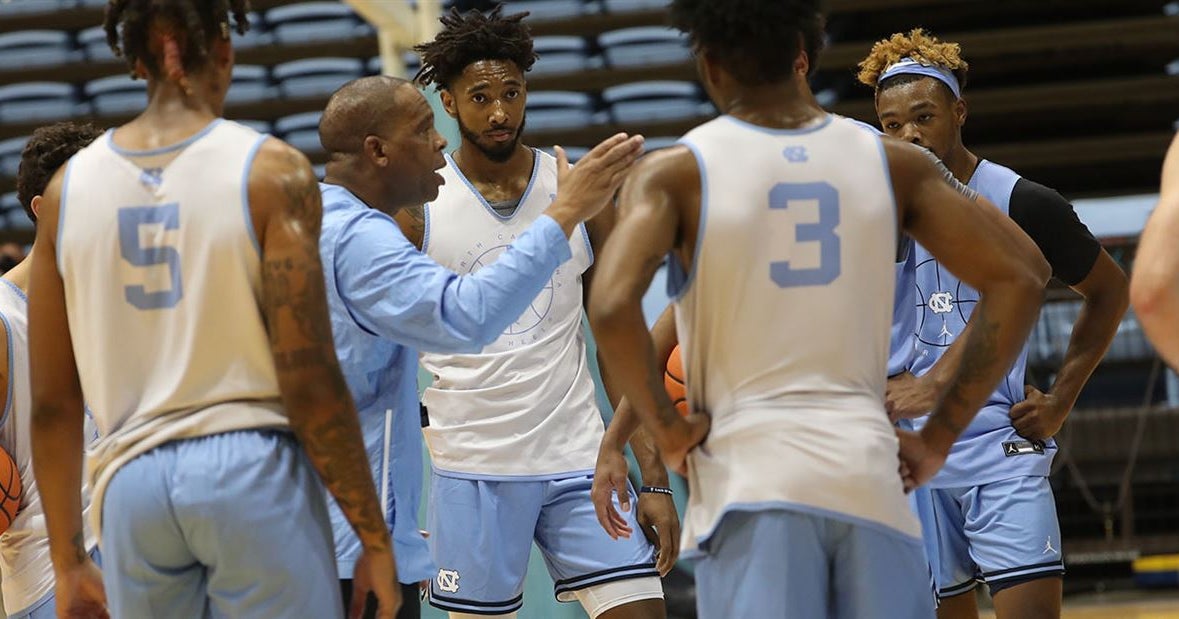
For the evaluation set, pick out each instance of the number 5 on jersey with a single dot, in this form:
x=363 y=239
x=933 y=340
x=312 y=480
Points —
x=141 y=235
x=821 y=232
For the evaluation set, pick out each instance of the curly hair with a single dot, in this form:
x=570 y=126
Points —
x=469 y=37
x=47 y=150
x=189 y=27
x=755 y=40
x=919 y=46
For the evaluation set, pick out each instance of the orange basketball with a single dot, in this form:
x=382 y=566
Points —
x=10 y=490
x=673 y=382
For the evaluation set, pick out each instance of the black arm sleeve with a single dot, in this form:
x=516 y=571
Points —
x=1050 y=220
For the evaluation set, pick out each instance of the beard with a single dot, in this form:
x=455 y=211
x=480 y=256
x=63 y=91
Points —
x=497 y=152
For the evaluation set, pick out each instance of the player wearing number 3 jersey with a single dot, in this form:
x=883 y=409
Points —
x=781 y=224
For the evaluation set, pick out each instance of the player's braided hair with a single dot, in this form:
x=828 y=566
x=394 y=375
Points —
x=473 y=36
x=755 y=40
x=919 y=46
x=182 y=44
x=47 y=150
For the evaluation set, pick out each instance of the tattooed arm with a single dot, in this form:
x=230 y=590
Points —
x=987 y=251
x=287 y=212
x=58 y=417
x=412 y=221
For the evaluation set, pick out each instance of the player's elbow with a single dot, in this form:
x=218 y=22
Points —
x=607 y=312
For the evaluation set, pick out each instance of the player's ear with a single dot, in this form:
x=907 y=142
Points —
x=802 y=62
x=35 y=204
x=960 y=111
x=448 y=102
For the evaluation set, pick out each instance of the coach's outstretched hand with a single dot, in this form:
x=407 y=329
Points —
x=79 y=592
x=585 y=189
x=376 y=572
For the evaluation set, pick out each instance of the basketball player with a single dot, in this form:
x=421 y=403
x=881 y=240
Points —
x=1155 y=286
x=27 y=573
x=993 y=514
x=176 y=284
x=781 y=225
x=387 y=299
x=514 y=429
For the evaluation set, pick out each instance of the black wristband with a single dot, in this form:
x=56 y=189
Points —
x=655 y=490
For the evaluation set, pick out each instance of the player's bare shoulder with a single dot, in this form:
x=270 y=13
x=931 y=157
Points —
x=282 y=182
x=672 y=172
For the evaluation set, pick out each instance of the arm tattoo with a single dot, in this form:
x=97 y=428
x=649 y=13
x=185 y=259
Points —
x=79 y=544
x=978 y=360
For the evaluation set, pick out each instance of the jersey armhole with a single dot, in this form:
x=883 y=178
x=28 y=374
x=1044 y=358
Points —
x=8 y=374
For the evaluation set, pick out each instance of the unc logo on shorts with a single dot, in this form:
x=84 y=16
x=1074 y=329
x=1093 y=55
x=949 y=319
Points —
x=941 y=302
x=448 y=581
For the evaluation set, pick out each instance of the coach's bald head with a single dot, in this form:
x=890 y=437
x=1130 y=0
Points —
x=382 y=146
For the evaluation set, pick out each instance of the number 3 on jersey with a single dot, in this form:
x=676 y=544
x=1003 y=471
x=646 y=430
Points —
x=821 y=232
x=138 y=249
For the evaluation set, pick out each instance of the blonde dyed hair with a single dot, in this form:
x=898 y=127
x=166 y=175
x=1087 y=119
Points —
x=919 y=46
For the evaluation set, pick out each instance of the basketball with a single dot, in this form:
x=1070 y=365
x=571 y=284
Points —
x=11 y=487
x=673 y=382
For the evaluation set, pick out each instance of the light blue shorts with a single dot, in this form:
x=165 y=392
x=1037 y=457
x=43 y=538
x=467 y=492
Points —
x=482 y=534
x=1003 y=533
x=786 y=563
x=228 y=525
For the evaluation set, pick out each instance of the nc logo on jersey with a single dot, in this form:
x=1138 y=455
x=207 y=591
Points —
x=941 y=302
x=448 y=581
x=795 y=154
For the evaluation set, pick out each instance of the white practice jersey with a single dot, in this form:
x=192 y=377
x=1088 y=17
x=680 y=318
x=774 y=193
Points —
x=784 y=322
x=162 y=276
x=26 y=571
x=525 y=406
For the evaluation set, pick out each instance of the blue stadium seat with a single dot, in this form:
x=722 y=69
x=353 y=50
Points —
x=256 y=36
x=9 y=202
x=640 y=102
x=315 y=21
x=10 y=150
x=34 y=48
x=96 y=3
x=559 y=110
x=542 y=10
x=261 y=126
x=563 y=54
x=656 y=143
x=300 y=131
x=117 y=94
x=12 y=214
x=93 y=43
x=629 y=6
x=20 y=7
x=39 y=101
x=315 y=77
x=411 y=59
x=250 y=83
x=646 y=45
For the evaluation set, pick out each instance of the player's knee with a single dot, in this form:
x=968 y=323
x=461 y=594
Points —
x=633 y=598
x=1034 y=599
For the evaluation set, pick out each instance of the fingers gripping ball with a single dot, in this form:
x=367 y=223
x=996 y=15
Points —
x=673 y=382
x=11 y=488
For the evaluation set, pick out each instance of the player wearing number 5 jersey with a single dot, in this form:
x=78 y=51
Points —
x=781 y=226
x=176 y=282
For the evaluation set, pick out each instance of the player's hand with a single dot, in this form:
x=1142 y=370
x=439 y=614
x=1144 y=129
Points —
x=610 y=480
x=375 y=572
x=592 y=183
x=679 y=437
x=919 y=460
x=79 y=592
x=908 y=397
x=661 y=526
x=1040 y=416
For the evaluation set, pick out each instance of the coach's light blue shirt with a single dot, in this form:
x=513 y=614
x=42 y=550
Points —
x=387 y=300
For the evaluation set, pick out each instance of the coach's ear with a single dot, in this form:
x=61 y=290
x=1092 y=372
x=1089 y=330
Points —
x=35 y=204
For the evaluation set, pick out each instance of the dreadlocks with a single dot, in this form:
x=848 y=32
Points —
x=469 y=37
x=182 y=44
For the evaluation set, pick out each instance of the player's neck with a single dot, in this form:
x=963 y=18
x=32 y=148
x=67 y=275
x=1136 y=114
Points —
x=776 y=106
x=173 y=115
x=481 y=170
x=19 y=274
x=961 y=163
